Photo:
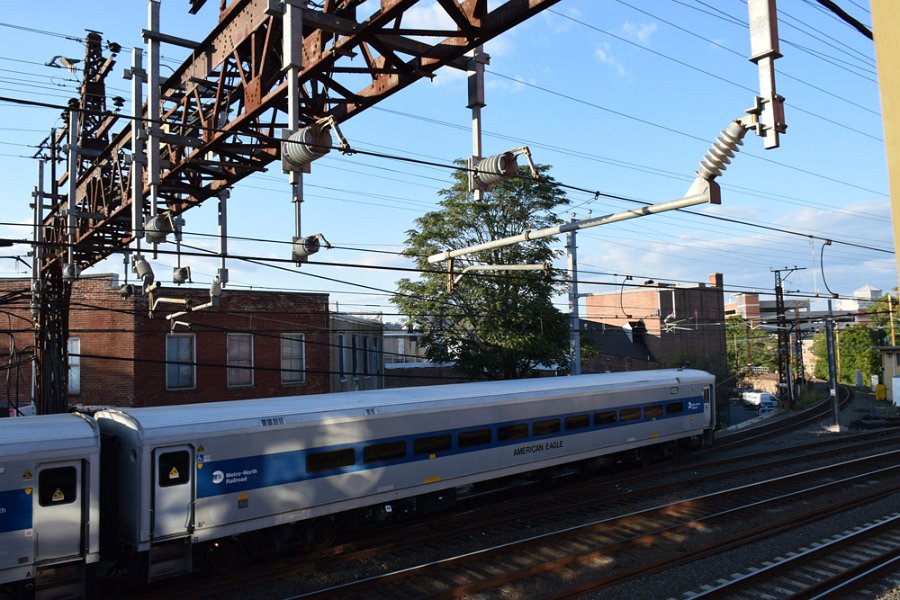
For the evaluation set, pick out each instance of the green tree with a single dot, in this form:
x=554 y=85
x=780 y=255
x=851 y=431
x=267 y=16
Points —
x=493 y=324
x=749 y=346
x=820 y=351
x=856 y=352
x=882 y=312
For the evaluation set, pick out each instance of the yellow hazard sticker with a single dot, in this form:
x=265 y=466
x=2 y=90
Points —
x=199 y=465
x=173 y=474
x=27 y=491
x=27 y=476
x=58 y=496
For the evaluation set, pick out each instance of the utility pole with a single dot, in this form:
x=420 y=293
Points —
x=832 y=372
x=784 y=334
x=574 y=318
x=891 y=317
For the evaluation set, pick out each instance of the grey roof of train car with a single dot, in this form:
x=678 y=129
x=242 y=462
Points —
x=158 y=421
x=22 y=435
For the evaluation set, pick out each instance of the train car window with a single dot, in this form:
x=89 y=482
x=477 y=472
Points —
x=432 y=444
x=512 y=432
x=545 y=427
x=674 y=408
x=653 y=412
x=577 y=422
x=475 y=437
x=326 y=461
x=383 y=452
x=605 y=418
x=630 y=414
x=57 y=486
x=174 y=468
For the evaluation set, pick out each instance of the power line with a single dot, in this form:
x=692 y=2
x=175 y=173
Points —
x=846 y=17
x=781 y=72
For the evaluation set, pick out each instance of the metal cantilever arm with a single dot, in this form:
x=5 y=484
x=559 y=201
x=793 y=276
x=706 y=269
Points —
x=574 y=226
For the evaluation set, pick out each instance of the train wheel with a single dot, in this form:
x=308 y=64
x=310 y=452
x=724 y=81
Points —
x=225 y=555
x=645 y=456
x=322 y=533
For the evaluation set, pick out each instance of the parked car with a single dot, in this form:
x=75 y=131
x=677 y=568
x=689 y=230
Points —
x=768 y=406
x=755 y=399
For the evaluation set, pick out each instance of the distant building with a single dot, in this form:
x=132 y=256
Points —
x=890 y=371
x=403 y=347
x=749 y=307
x=406 y=365
x=684 y=325
x=357 y=354
x=252 y=345
x=862 y=298
x=608 y=348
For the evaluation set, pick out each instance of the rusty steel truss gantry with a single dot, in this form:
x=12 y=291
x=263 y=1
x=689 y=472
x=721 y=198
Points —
x=218 y=118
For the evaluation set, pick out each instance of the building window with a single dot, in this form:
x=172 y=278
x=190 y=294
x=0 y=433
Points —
x=365 y=356
x=376 y=358
x=240 y=360
x=342 y=357
x=354 y=354
x=180 y=366
x=74 y=349
x=293 y=358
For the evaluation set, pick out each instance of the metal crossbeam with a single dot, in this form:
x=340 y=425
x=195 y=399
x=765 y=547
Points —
x=223 y=108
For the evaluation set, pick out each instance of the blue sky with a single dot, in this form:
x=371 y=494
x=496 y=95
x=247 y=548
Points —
x=622 y=97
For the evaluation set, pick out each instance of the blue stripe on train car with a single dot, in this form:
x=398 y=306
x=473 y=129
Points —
x=15 y=510
x=217 y=478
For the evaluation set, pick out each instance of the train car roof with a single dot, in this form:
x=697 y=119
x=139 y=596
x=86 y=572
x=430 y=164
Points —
x=369 y=403
x=24 y=435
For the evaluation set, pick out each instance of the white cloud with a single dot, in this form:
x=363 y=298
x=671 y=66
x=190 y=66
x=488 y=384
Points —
x=604 y=55
x=640 y=32
x=428 y=16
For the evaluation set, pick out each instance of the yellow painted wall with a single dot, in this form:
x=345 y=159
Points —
x=886 y=28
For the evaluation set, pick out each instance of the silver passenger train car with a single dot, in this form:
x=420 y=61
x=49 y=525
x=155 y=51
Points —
x=49 y=506
x=212 y=483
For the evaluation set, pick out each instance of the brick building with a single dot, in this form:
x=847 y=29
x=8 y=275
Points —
x=252 y=345
x=682 y=326
x=607 y=348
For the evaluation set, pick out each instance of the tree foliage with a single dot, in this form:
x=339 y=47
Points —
x=749 y=346
x=882 y=312
x=494 y=324
x=855 y=352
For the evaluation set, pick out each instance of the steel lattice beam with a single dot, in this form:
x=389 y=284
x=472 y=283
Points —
x=223 y=108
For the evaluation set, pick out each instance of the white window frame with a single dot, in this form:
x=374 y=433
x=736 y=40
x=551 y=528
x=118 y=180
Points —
x=240 y=366
x=292 y=373
x=73 y=347
x=190 y=360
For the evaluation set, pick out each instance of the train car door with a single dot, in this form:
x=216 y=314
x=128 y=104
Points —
x=58 y=511
x=173 y=491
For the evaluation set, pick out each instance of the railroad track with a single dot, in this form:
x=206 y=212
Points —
x=774 y=427
x=590 y=557
x=854 y=561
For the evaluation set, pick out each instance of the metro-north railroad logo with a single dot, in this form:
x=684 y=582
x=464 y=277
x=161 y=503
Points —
x=218 y=477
